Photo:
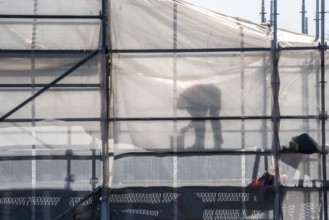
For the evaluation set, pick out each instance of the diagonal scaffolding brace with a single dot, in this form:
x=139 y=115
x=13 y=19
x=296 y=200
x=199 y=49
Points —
x=94 y=195
x=51 y=84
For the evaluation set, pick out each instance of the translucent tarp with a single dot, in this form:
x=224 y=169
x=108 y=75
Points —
x=50 y=34
x=51 y=144
x=194 y=27
x=53 y=129
x=48 y=7
x=188 y=118
x=191 y=108
x=151 y=89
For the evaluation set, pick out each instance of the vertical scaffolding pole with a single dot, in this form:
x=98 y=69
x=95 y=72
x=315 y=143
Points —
x=105 y=115
x=317 y=19
x=303 y=12
x=175 y=158
x=243 y=122
x=263 y=13
x=33 y=109
x=264 y=111
x=323 y=114
x=318 y=92
x=275 y=83
x=272 y=12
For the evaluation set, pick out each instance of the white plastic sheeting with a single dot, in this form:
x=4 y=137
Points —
x=74 y=34
x=159 y=49
x=151 y=25
x=64 y=120
x=148 y=85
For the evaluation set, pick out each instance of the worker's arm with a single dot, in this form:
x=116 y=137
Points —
x=183 y=130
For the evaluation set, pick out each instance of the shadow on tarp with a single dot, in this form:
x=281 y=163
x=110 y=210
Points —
x=192 y=203
x=49 y=204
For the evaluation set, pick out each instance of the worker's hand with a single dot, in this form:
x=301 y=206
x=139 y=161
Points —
x=184 y=129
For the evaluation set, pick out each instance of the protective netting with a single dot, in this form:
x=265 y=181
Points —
x=210 y=203
x=49 y=204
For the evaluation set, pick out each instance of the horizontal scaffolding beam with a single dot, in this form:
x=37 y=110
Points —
x=189 y=153
x=5 y=52
x=212 y=118
x=196 y=50
x=50 y=157
x=18 y=85
x=207 y=50
x=96 y=119
x=26 y=16
x=24 y=120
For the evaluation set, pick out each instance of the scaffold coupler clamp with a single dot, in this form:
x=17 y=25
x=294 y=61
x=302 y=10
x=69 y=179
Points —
x=323 y=116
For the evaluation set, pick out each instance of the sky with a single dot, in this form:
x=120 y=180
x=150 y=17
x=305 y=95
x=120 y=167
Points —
x=289 y=11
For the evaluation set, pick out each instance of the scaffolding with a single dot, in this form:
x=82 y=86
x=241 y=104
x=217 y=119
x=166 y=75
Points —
x=106 y=116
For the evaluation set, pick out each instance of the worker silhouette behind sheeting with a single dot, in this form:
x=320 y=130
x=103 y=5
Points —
x=201 y=100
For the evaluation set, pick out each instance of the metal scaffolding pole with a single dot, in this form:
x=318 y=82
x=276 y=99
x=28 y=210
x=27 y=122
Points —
x=263 y=13
x=272 y=12
x=323 y=114
x=303 y=12
x=35 y=16
x=317 y=19
x=105 y=115
x=275 y=83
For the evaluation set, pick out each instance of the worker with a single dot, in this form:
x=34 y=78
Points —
x=199 y=101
